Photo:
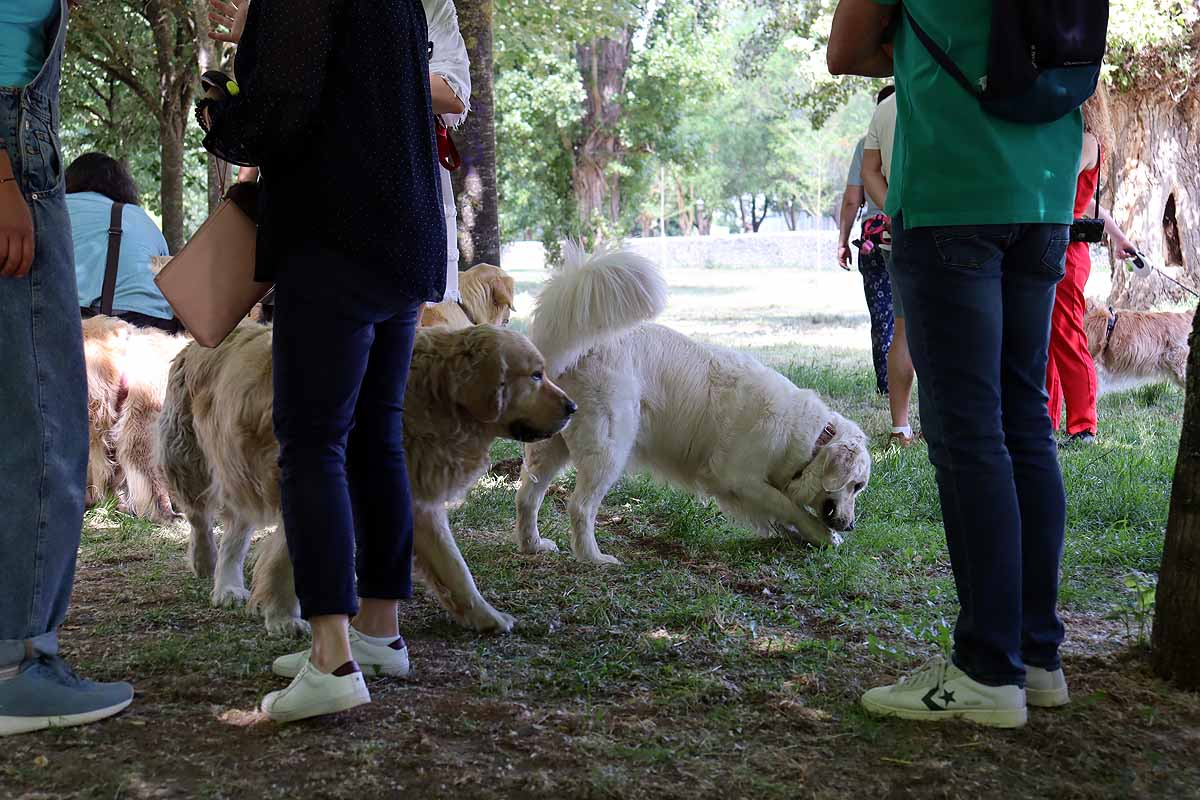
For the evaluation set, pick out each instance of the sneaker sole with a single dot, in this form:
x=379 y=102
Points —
x=332 y=705
x=11 y=726
x=1047 y=698
x=994 y=718
x=368 y=671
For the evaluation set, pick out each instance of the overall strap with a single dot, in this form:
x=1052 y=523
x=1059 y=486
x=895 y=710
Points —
x=114 y=257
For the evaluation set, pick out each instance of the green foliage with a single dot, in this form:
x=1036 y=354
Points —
x=1151 y=40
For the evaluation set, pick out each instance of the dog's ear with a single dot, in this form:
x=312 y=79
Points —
x=841 y=466
x=502 y=291
x=483 y=387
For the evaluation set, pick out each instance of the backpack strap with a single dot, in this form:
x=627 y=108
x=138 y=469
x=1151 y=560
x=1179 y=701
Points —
x=114 y=257
x=1098 y=156
x=940 y=56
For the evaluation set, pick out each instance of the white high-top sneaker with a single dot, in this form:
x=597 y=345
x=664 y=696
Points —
x=374 y=659
x=313 y=693
x=1045 y=689
x=941 y=691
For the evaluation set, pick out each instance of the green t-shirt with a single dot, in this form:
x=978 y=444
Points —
x=954 y=164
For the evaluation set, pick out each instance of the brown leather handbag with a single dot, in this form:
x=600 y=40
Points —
x=210 y=282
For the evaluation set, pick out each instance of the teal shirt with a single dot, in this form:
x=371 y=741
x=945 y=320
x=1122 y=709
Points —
x=954 y=164
x=25 y=39
x=140 y=239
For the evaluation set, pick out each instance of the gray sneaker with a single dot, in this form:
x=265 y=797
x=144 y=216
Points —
x=43 y=692
x=1044 y=688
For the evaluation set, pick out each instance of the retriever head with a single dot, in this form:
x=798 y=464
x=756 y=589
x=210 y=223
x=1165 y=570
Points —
x=487 y=292
x=831 y=482
x=508 y=386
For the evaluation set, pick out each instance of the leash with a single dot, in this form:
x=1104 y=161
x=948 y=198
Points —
x=467 y=312
x=1112 y=323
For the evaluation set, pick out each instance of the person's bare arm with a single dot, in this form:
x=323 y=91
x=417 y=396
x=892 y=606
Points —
x=856 y=42
x=852 y=200
x=445 y=101
x=872 y=175
x=1122 y=246
x=16 y=225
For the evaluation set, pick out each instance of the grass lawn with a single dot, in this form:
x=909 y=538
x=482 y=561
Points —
x=710 y=662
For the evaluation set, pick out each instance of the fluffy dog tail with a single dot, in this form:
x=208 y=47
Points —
x=592 y=299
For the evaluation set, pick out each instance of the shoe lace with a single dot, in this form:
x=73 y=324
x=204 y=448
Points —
x=932 y=673
x=59 y=667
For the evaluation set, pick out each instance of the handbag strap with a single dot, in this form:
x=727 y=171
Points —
x=1098 y=156
x=112 y=261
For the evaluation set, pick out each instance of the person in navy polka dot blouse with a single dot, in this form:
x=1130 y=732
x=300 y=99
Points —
x=333 y=105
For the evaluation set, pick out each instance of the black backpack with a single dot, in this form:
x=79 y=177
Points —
x=1043 y=57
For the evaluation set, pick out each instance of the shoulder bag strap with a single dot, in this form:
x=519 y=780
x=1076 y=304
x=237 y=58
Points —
x=1099 y=154
x=940 y=56
x=114 y=257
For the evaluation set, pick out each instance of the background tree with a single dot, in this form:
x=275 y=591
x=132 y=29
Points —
x=475 y=182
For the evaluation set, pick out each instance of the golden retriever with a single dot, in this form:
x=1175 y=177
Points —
x=1132 y=348
x=219 y=452
x=708 y=419
x=127 y=377
x=487 y=298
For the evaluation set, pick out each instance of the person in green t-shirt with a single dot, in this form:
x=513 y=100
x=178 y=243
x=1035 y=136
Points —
x=980 y=210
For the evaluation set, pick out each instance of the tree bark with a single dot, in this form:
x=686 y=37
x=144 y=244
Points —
x=1176 y=637
x=173 y=26
x=1157 y=191
x=171 y=129
x=603 y=64
x=474 y=182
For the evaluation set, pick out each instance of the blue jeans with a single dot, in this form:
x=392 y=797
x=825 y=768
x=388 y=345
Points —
x=340 y=369
x=877 y=287
x=43 y=389
x=978 y=300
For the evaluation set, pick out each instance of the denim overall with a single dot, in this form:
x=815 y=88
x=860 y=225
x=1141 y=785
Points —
x=43 y=389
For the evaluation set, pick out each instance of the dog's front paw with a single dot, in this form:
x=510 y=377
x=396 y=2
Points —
x=229 y=596
x=280 y=625
x=486 y=619
x=599 y=559
x=540 y=545
x=202 y=561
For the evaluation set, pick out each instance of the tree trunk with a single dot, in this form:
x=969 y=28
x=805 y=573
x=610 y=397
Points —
x=1157 y=191
x=171 y=141
x=208 y=57
x=475 y=181
x=1176 y=638
x=603 y=64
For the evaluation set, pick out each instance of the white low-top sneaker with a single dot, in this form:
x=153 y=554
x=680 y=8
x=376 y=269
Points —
x=374 y=659
x=941 y=691
x=1045 y=689
x=313 y=693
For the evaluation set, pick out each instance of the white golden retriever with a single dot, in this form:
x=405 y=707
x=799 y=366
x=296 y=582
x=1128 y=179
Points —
x=219 y=453
x=705 y=418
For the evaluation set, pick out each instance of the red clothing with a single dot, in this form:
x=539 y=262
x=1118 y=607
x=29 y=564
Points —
x=1070 y=371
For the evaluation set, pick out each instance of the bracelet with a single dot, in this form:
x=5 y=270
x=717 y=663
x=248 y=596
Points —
x=6 y=180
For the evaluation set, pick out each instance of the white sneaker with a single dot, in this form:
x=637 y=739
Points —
x=940 y=691
x=374 y=660
x=1045 y=689
x=313 y=693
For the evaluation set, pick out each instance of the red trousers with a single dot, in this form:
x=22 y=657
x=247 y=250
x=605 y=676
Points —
x=1070 y=371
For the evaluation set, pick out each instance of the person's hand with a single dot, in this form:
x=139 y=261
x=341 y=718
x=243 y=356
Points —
x=231 y=16
x=16 y=232
x=843 y=255
x=1122 y=246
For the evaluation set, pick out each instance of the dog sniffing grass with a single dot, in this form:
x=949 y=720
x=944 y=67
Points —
x=711 y=660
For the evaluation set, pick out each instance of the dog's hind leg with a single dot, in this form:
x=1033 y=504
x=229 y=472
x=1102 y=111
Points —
x=542 y=464
x=441 y=566
x=229 y=583
x=202 y=548
x=273 y=588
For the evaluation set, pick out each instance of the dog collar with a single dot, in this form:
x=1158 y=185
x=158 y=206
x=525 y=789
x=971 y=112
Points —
x=467 y=312
x=825 y=438
x=1112 y=323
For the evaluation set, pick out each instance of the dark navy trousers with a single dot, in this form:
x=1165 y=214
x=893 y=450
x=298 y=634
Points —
x=340 y=368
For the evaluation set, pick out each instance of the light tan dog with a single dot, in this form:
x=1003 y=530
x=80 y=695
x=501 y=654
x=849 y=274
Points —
x=487 y=298
x=1133 y=348
x=217 y=447
x=127 y=378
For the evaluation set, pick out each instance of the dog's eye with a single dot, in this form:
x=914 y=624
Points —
x=799 y=472
x=858 y=487
x=537 y=376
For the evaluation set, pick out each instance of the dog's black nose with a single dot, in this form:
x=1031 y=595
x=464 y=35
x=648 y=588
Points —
x=570 y=407
x=850 y=527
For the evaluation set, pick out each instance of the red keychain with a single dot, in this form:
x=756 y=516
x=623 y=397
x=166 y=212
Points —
x=447 y=152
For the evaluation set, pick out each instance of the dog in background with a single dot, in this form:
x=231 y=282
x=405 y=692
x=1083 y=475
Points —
x=705 y=418
x=487 y=298
x=126 y=376
x=1134 y=348
x=218 y=449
